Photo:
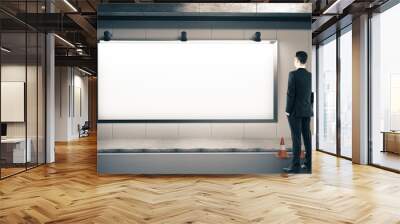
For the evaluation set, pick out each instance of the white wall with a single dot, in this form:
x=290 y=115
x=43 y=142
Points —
x=79 y=117
x=69 y=82
x=289 y=41
x=17 y=73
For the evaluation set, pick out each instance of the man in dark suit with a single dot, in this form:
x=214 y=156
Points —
x=299 y=110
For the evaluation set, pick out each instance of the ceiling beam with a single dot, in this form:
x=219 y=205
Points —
x=86 y=27
x=79 y=61
x=77 y=18
x=338 y=6
x=212 y=9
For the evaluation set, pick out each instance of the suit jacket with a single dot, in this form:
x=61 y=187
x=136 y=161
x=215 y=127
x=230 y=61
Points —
x=300 y=99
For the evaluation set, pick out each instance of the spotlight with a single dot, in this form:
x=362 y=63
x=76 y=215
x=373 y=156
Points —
x=107 y=35
x=5 y=49
x=257 y=37
x=183 y=36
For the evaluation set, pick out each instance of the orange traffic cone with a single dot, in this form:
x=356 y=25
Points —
x=282 y=153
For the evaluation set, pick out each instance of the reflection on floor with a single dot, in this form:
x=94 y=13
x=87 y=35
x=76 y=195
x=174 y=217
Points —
x=346 y=152
x=71 y=191
x=11 y=169
x=387 y=159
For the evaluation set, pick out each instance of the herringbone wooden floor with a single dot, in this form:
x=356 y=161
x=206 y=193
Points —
x=70 y=191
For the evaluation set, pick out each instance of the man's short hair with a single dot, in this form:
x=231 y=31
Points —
x=301 y=56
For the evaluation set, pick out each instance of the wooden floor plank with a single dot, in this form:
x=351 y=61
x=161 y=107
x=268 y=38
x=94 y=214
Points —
x=70 y=191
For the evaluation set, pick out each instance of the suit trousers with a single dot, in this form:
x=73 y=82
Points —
x=300 y=126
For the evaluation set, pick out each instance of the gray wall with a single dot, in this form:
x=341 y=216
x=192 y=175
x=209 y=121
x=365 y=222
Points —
x=289 y=41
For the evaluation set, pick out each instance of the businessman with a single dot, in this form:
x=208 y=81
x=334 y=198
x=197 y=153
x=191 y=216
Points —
x=299 y=112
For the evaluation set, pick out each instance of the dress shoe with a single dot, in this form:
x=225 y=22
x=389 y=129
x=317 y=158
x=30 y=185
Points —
x=305 y=168
x=291 y=170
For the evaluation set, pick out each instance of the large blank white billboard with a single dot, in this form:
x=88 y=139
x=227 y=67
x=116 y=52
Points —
x=193 y=80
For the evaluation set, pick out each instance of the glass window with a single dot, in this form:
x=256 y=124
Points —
x=327 y=96
x=15 y=150
x=385 y=89
x=22 y=92
x=346 y=94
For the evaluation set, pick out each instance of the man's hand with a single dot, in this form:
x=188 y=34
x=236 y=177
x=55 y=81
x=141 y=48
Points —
x=287 y=114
